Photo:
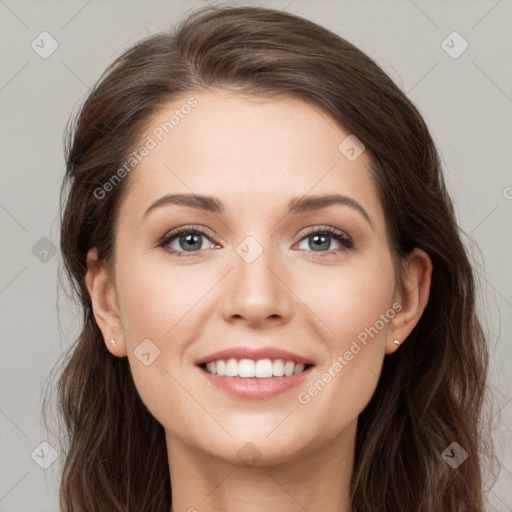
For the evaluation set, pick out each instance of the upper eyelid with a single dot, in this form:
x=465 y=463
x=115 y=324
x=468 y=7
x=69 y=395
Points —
x=206 y=231
x=320 y=227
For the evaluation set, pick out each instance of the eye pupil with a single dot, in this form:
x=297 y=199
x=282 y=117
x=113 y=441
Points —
x=190 y=240
x=320 y=245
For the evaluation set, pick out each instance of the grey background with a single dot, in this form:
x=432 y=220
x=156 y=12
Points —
x=467 y=103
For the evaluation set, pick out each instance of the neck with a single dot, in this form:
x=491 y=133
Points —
x=316 y=480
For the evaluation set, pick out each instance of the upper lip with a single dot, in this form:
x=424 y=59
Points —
x=254 y=354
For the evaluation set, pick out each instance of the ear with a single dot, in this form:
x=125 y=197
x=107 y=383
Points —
x=104 y=303
x=412 y=295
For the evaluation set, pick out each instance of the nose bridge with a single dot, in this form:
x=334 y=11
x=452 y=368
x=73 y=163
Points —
x=255 y=290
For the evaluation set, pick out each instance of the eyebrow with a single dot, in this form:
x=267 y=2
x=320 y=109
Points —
x=295 y=205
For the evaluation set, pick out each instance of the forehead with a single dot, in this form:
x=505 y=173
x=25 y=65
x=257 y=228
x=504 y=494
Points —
x=250 y=152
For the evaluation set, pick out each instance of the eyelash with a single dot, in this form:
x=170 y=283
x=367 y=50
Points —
x=339 y=236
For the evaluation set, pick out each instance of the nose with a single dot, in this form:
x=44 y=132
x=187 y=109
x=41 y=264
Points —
x=256 y=291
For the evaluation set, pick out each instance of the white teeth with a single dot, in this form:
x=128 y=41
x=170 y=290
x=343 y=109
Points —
x=261 y=369
x=221 y=367
x=232 y=368
x=246 y=368
x=288 y=368
x=278 y=368
x=298 y=368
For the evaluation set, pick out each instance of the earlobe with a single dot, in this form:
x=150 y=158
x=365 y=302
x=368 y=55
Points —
x=104 y=303
x=413 y=297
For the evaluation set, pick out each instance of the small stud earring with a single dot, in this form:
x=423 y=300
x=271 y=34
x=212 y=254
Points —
x=113 y=341
x=396 y=342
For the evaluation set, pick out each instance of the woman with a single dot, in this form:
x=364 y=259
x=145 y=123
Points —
x=279 y=312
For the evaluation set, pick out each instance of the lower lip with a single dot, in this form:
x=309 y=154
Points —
x=254 y=387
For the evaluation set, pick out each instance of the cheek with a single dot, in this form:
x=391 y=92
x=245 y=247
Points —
x=350 y=300
x=357 y=308
x=158 y=299
x=160 y=303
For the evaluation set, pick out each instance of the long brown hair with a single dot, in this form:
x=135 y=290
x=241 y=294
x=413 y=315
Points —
x=431 y=391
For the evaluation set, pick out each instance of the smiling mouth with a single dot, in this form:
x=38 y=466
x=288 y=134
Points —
x=249 y=368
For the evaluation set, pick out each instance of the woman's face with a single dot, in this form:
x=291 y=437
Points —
x=262 y=277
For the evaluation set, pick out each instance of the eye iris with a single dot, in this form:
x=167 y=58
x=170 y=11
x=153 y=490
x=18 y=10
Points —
x=321 y=245
x=188 y=241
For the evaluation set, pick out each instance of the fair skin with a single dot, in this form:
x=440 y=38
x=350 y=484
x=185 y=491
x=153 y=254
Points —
x=254 y=156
